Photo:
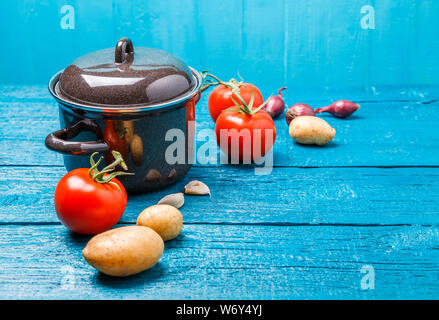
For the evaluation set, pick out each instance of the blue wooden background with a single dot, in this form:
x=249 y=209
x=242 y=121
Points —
x=318 y=45
x=305 y=231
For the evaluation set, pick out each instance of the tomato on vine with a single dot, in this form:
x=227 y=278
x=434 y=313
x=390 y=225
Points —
x=244 y=133
x=222 y=96
x=89 y=201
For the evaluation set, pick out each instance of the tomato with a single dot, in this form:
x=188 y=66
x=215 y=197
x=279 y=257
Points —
x=221 y=98
x=253 y=133
x=114 y=134
x=86 y=206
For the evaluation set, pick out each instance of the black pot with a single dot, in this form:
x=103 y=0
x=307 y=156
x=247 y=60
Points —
x=127 y=100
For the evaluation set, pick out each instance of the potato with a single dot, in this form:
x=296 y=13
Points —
x=166 y=220
x=136 y=148
x=129 y=130
x=311 y=130
x=124 y=251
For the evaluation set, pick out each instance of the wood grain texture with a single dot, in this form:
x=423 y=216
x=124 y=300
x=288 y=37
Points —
x=316 y=45
x=302 y=232
x=364 y=196
x=217 y=262
x=386 y=133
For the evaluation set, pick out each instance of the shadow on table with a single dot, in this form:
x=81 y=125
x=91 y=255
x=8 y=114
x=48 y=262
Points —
x=140 y=279
x=329 y=116
x=137 y=280
x=79 y=240
x=329 y=145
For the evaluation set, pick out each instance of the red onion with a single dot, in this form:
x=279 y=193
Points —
x=297 y=110
x=340 y=108
x=275 y=105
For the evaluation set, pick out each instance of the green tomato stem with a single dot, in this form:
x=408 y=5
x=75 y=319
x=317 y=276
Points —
x=208 y=82
x=106 y=174
x=243 y=107
x=247 y=108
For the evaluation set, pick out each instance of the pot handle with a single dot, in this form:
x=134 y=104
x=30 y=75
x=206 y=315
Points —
x=57 y=141
x=124 y=51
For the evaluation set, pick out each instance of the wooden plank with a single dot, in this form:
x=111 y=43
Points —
x=379 y=134
x=262 y=54
x=43 y=20
x=232 y=262
x=315 y=44
x=288 y=196
x=152 y=24
x=421 y=55
x=220 y=34
x=313 y=52
x=393 y=29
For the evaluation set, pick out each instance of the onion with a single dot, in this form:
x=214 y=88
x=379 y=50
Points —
x=340 y=108
x=297 y=110
x=275 y=104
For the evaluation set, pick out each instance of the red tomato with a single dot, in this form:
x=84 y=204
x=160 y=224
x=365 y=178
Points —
x=252 y=142
x=87 y=207
x=221 y=98
x=114 y=137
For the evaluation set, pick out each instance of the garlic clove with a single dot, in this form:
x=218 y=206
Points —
x=196 y=187
x=174 y=199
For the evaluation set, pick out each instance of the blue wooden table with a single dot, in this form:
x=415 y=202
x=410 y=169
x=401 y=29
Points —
x=365 y=205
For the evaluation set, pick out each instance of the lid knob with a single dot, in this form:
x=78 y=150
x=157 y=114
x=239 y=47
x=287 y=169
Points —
x=124 y=51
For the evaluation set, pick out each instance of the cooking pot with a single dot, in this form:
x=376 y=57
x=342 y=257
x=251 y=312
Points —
x=127 y=99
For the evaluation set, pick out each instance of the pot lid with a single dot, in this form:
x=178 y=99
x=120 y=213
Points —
x=125 y=76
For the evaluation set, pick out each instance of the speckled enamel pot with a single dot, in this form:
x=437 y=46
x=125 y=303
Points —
x=126 y=99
